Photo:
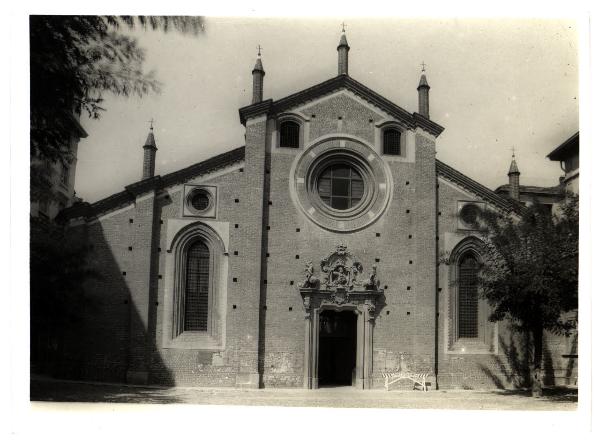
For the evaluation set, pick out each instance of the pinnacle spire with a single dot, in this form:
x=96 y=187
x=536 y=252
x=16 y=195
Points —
x=513 y=178
x=343 y=41
x=258 y=67
x=423 y=90
x=514 y=169
x=150 y=141
x=258 y=74
x=343 y=49
x=423 y=81
x=149 y=154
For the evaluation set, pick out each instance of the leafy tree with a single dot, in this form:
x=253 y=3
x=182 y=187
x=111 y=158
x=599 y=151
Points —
x=74 y=60
x=530 y=272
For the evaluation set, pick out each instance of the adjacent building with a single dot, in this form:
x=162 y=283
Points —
x=567 y=154
x=528 y=194
x=57 y=191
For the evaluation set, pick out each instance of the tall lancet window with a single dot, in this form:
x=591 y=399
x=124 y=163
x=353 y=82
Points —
x=468 y=297
x=195 y=316
x=289 y=134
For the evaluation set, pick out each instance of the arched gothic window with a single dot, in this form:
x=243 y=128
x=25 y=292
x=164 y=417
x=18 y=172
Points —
x=289 y=134
x=469 y=329
x=468 y=322
x=392 y=142
x=197 y=283
x=195 y=292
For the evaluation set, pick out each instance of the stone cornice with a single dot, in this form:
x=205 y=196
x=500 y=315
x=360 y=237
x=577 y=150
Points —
x=254 y=110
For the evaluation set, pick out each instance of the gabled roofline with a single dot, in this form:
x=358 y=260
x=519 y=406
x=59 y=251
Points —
x=557 y=190
x=562 y=150
x=91 y=210
x=477 y=188
x=340 y=82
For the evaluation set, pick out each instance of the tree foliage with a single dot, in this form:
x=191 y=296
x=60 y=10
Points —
x=529 y=274
x=530 y=270
x=74 y=60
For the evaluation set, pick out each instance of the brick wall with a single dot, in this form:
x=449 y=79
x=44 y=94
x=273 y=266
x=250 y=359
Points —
x=354 y=120
x=401 y=243
x=270 y=239
x=239 y=358
x=107 y=320
x=123 y=323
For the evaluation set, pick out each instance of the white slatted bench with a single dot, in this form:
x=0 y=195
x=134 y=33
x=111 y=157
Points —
x=391 y=377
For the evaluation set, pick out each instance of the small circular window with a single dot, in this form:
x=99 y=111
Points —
x=469 y=214
x=340 y=186
x=199 y=200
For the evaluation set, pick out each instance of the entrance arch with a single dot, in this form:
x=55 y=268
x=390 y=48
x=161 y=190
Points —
x=362 y=306
x=337 y=357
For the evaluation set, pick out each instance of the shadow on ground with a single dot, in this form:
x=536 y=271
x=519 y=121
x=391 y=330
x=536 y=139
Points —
x=53 y=391
x=45 y=391
x=513 y=367
x=554 y=394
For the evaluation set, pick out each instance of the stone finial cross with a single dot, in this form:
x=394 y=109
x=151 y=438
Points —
x=151 y=121
x=259 y=49
x=344 y=25
x=423 y=66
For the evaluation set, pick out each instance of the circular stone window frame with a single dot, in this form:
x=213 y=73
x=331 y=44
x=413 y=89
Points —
x=350 y=151
x=463 y=213
x=191 y=208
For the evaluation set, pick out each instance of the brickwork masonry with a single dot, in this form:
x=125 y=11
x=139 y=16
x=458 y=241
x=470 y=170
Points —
x=269 y=241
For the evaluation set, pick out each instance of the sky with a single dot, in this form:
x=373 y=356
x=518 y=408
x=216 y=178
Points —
x=495 y=84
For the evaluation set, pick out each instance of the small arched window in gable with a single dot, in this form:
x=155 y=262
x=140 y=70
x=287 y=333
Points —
x=392 y=142
x=468 y=324
x=289 y=134
x=197 y=288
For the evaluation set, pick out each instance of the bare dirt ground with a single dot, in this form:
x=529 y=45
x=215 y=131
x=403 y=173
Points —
x=48 y=390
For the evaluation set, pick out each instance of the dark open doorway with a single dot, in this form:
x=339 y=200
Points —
x=337 y=348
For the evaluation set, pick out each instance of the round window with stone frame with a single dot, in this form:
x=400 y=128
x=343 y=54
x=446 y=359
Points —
x=340 y=184
x=470 y=215
x=199 y=201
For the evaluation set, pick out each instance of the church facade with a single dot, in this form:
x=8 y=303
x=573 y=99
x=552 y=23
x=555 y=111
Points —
x=330 y=249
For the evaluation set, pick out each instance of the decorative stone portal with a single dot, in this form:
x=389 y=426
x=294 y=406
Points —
x=340 y=298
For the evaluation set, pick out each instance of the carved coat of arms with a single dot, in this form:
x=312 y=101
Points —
x=341 y=283
x=340 y=269
x=341 y=273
